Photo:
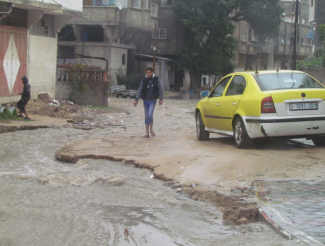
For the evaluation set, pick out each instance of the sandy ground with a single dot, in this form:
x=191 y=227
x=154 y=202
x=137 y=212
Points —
x=216 y=167
x=175 y=153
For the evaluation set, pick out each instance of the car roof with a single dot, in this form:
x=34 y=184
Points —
x=267 y=72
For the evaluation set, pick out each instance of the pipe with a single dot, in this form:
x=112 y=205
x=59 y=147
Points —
x=6 y=13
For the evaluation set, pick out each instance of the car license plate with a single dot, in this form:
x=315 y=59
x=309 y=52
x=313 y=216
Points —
x=303 y=106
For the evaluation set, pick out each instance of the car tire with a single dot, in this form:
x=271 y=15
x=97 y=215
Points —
x=201 y=133
x=127 y=96
x=319 y=141
x=242 y=140
x=119 y=95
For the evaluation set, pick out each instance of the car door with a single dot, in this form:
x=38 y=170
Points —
x=230 y=101
x=212 y=110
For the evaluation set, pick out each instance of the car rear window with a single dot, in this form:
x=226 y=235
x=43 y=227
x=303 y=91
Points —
x=281 y=81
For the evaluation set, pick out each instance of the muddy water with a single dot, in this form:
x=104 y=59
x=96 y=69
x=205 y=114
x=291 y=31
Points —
x=98 y=202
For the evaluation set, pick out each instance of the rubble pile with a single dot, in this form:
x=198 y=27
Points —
x=56 y=108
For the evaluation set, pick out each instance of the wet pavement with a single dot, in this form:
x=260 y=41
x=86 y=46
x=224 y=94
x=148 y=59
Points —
x=294 y=208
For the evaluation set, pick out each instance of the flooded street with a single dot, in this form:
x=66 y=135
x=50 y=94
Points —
x=99 y=202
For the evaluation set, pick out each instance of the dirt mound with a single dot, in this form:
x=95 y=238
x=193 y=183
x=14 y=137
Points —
x=54 y=108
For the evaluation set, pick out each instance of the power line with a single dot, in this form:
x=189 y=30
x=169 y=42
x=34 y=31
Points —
x=76 y=14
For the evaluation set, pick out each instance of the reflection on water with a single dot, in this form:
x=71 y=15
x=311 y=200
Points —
x=99 y=202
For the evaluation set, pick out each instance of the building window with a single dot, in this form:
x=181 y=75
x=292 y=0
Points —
x=303 y=21
x=160 y=34
x=137 y=4
x=154 y=9
x=123 y=59
x=146 y=4
x=87 y=2
x=44 y=27
x=17 y=18
x=244 y=37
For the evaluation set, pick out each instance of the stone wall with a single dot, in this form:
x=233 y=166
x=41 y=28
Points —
x=317 y=73
x=66 y=91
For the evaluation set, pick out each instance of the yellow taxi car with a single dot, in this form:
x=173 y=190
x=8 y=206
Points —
x=263 y=104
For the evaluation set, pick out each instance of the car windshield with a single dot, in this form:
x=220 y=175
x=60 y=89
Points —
x=281 y=81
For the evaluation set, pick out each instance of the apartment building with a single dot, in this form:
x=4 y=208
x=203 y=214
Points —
x=107 y=33
x=28 y=44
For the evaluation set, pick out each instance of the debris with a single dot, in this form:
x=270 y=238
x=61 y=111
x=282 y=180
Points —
x=152 y=176
x=193 y=185
x=176 y=186
x=241 y=221
x=126 y=232
x=179 y=190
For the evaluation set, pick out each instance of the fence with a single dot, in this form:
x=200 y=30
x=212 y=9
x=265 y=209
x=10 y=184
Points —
x=96 y=81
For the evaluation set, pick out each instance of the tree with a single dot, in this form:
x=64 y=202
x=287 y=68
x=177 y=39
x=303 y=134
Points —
x=208 y=26
x=322 y=37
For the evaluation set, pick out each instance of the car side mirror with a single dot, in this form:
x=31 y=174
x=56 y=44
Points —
x=204 y=94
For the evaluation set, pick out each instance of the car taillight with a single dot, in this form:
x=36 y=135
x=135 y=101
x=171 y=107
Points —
x=268 y=105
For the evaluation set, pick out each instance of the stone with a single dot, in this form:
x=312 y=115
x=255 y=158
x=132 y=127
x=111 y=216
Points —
x=176 y=186
x=241 y=221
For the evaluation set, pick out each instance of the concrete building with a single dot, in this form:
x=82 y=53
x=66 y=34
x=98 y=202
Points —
x=28 y=44
x=250 y=53
x=319 y=19
x=107 y=33
x=274 y=53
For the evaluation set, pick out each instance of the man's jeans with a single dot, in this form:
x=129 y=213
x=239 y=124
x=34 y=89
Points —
x=149 y=107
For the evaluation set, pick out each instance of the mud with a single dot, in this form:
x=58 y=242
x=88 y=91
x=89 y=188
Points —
x=222 y=174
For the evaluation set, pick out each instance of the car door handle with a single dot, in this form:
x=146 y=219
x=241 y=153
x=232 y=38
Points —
x=217 y=104
x=234 y=104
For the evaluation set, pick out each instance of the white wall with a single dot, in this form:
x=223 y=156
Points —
x=41 y=64
x=70 y=4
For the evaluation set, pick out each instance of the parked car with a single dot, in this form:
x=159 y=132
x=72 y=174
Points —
x=264 y=104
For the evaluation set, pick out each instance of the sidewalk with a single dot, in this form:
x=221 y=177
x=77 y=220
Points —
x=294 y=208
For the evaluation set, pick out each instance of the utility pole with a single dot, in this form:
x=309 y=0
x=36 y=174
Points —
x=294 y=57
x=154 y=48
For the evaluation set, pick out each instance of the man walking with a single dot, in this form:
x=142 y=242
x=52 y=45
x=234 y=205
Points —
x=25 y=97
x=150 y=90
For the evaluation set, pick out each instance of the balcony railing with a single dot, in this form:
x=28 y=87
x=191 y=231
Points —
x=95 y=75
x=99 y=2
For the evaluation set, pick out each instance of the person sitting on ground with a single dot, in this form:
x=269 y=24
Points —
x=25 y=97
x=150 y=90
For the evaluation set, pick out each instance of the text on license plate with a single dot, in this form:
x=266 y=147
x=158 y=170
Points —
x=303 y=106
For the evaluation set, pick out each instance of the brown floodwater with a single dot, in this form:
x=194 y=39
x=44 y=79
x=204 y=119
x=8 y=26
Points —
x=99 y=202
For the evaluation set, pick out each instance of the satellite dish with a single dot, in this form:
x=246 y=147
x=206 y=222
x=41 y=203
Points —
x=120 y=4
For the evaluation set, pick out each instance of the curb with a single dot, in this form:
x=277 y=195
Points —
x=290 y=232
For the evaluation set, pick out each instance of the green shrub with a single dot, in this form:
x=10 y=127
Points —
x=131 y=81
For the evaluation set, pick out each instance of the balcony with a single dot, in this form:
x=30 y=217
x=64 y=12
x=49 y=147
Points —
x=137 y=18
x=283 y=49
x=304 y=50
x=242 y=47
x=251 y=49
x=100 y=15
x=265 y=48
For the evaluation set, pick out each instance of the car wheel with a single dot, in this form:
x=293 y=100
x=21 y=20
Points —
x=127 y=96
x=202 y=134
x=119 y=95
x=319 y=141
x=242 y=140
